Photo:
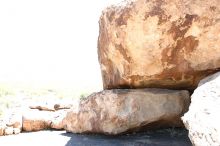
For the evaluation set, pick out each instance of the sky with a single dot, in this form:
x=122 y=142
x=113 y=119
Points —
x=47 y=41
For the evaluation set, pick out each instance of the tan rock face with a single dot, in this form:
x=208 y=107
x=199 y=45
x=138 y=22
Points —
x=202 y=120
x=2 y=128
x=35 y=120
x=8 y=131
x=159 y=43
x=118 y=111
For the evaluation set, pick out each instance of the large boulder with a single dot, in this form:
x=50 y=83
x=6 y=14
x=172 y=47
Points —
x=159 y=43
x=202 y=120
x=125 y=110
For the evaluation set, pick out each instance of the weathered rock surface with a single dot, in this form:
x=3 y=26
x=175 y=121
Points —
x=8 y=131
x=159 y=43
x=2 y=128
x=35 y=120
x=202 y=120
x=117 y=111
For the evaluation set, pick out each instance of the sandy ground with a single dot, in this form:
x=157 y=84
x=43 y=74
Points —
x=167 y=137
x=42 y=138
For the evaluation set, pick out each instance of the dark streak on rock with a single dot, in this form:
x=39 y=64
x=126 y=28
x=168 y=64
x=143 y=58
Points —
x=123 y=17
x=166 y=80
x=213 y=8
x=189 y=44
x=158 y=11
x=174 y=55
x=111 y=16
x=176 y=58
x=122 y=51
x=179 y=30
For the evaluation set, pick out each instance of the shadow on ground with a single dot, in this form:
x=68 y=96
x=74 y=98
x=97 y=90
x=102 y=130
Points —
x=164 y=137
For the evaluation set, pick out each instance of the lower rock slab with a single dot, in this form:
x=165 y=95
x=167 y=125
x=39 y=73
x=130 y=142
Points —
x=127 y=110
